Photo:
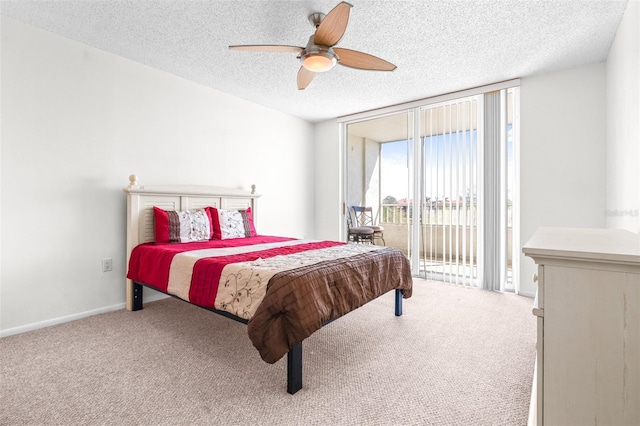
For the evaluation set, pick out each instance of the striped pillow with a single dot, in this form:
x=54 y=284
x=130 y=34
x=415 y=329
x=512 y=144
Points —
x=232 y=223
x=183 y=226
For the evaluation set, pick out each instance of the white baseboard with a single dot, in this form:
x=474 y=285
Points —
x=528 y=294
x=73 y=317
x=59 y=320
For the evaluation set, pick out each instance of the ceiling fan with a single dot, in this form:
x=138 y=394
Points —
x=320 y=55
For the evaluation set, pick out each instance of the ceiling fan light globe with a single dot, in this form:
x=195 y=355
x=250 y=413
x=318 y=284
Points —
x=318 y=62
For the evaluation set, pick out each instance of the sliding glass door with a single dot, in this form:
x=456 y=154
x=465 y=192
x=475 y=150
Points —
x=442 y=180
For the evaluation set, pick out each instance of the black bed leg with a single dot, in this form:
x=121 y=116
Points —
x=294 y=369
x=398 y=302
x=137 y=297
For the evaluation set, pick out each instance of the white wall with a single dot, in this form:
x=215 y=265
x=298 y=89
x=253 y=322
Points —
x=328 y=174
x=623 y=124
x=76 y=121
x=562 y=154
x=356 y=175
x=372 y=152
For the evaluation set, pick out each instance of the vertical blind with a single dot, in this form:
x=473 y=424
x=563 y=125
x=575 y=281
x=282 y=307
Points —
x=449 y=136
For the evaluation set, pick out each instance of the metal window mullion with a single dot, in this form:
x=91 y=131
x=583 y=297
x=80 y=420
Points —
x=503 y=231
x=455 y=192
x=464 y=195
x=434 y=182
x=473 y=252
x=415 y=228
x=515 y=207
x=444 y=202
x=440 y=203
x=431 y=173
x=449 y=134
x=458 y=181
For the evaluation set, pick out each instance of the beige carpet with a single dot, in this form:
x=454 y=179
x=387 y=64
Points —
x=457 y=356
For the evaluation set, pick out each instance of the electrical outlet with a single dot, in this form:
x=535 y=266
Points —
x=107 y=264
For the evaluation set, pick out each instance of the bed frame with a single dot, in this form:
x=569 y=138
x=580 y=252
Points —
x=140 y=202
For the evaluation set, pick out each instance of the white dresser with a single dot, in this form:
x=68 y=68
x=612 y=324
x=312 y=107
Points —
x=588 y=313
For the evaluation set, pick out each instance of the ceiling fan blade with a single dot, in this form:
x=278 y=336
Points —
x=363 y=61
x=267 y=48
x=304 y=78
x=332 y=27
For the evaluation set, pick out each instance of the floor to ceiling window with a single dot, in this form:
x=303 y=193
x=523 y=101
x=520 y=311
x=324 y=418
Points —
x=441 y=177
x=379 y=167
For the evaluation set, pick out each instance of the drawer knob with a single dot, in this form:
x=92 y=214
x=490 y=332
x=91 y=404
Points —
x=535 y=278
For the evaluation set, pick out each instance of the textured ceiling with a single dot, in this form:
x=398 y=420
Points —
x=438 y=46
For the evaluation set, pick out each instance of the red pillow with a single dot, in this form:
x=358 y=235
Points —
x=182 y=226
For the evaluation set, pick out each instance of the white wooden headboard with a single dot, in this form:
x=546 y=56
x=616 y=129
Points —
x=141 y=199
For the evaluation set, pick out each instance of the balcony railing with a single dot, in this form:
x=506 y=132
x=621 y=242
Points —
x=449 y=231
x=441 y=212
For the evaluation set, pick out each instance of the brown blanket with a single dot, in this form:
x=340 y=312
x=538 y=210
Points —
x=298 y=302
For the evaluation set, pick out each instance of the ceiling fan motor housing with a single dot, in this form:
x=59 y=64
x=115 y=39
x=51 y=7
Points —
x=318 y=58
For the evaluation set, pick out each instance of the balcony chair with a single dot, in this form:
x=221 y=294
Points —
x=358 y=234
x=364 y=218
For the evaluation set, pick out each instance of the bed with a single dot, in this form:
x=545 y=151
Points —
x=199 y=244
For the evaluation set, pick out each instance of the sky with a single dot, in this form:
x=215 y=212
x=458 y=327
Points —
x=395 y=171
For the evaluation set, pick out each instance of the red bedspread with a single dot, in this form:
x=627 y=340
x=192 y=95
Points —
x=292 y=286
x=150 y=263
